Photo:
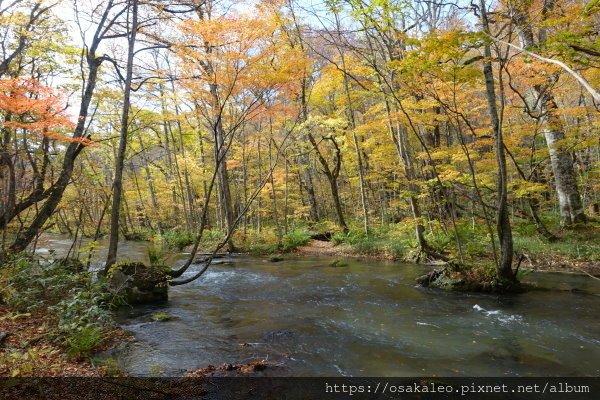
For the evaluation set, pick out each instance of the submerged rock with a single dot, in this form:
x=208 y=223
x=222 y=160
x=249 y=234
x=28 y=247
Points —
x=338 y=263
x=139 y=283
x=254 y=368
x=162 y=317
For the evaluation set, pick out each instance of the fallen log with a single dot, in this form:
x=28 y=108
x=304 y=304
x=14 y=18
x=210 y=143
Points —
x=322 y=237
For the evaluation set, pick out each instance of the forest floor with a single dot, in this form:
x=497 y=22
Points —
x=557 y=263
x=322 y=248
x=28 y=350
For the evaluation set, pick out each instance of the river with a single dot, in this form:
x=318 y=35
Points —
x=364 y=319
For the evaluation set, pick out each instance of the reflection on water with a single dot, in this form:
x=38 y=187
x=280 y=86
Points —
x=368 y=318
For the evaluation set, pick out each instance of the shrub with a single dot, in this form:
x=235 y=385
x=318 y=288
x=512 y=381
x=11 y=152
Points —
x=352 y=237
x=139 y=235
x=63 y=288
x=338 y=238
x=294 y=239
x=29 y=284
x=262 y=248
x=157 y=255
x=178 y=239
x=84 y=307
x=261 y=243
x=366 y=245
x=84 y=341
x=396 y=249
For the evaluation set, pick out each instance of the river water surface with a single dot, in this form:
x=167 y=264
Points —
x=367 y=318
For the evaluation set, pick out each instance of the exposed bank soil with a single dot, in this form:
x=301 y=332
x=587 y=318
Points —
x=27 y=338
x=556 y=263
x=547 y=263
x=322 y=248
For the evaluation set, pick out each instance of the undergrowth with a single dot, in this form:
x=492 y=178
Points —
x=80 y=306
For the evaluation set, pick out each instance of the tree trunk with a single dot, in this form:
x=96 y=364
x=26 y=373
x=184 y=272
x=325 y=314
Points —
x=306 y=179
x=504 y=268
x=304 y=161
x=332 y=176
x=120 y=160
x=55 y=193
x=352 y=120
x=565 y=178
x=221 y=165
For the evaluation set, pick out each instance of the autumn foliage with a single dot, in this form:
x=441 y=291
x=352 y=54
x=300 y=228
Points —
x=36 y=109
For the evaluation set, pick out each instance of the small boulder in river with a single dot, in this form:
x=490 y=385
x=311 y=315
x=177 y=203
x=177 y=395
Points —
x=468 y=280
x=139 y=283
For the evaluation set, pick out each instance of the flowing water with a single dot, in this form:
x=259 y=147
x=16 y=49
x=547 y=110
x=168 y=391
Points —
x=367 y=318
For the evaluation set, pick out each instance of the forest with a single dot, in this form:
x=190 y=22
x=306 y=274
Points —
x=459 y=138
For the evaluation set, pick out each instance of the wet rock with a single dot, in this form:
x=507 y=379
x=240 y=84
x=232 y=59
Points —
x=139 y=283
x=252 y=368
x=275 y=259
x=338 y=263
x=162 y=317
x=280 y=336
x=473 y=280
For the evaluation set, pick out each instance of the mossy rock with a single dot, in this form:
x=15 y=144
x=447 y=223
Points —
x=338 y=263
x=162 y=317
x=467 y=281
x=139 y=283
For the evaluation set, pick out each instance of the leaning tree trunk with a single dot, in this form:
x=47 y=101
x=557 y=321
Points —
x=55 y=192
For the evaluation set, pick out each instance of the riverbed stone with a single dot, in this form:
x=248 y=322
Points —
x=139 y=283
